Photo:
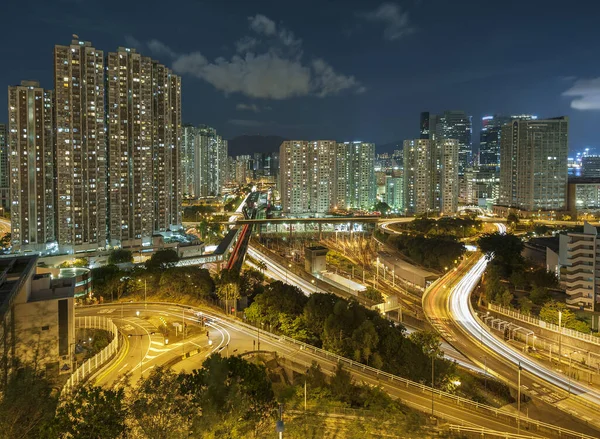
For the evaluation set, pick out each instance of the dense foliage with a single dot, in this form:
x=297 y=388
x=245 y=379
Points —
x=463 y=227
x=195 y=213
x=437 y=252
x=120 y=256
x=345 y=328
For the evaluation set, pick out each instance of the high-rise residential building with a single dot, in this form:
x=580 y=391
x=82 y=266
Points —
x=394 y=193
x=590 y=166
x=188 y=151
x=143 y=127
x=5 y=199
x=449 y=149
x=243 y=169
x=533 y=168
x=317 y=176
x=431 y=176
x=30 y=143
x=295 y=175
x=81 y=156
x=210 y=165
x=417 y=176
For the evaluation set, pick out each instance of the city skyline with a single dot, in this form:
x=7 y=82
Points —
x=345 y=95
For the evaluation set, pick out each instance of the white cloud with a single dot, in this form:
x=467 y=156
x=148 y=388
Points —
x=395 y=21
x=262 y=25
x=247 y=107
x=587 y=92
x=160 y=49
x=246 y=44
x=275 y=72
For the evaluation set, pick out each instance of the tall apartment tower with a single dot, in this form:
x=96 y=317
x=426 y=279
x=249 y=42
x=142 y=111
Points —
x=322 y=170
x=417 y=176
x=448 y=175
x=295 y=176
x=362 y=189
x=210 y=162
x=30 y=143
x=5 y=198
x=188 y=153
x=81 y=156
x=143 y=114
x=457 y=125
x=533 y=169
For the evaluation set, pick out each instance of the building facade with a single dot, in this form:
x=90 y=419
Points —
x=31 y=148
x=394 y=193
x=318 y=176
x=188 y=151
x=457 y=125
x=533 y=170
x=417 y=176
x=210 y=162
x=590 y=166
x=81 y=156
x=489 y=140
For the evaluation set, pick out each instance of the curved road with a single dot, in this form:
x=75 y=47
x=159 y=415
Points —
x=447 y=305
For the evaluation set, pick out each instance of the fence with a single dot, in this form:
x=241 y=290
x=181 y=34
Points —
x=92 y=364
x=589 y=338
x=479 y=432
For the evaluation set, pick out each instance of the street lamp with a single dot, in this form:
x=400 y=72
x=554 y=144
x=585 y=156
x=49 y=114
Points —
x=141 y=356
x=137 y=313
x=145 y=291
x=559 y=337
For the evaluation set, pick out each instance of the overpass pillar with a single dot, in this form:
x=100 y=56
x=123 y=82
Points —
x=320 y=232
x=291 y=227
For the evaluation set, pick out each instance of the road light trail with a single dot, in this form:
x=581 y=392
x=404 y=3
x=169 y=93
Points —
x=460 y=309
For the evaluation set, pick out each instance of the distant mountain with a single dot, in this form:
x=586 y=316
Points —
x=248 y=144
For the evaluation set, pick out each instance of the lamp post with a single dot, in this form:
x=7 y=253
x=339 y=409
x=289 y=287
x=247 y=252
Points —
x=432 y=377
x=145 y=291
x=559 y=337
x=141 y=356
x=519 y=401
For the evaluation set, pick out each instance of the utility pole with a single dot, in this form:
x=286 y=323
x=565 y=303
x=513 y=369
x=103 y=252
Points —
x=519 y=401
x=559 y=338
x=432 y=377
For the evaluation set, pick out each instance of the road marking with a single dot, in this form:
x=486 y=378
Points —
x=124 y=366
x=119 y=360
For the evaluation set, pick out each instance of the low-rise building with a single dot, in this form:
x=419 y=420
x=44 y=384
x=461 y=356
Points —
x=37 y=325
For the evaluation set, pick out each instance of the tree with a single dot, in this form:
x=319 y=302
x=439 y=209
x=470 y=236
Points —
x=373 y=294
x=504 y=248
x=518 y=279
x=382 y=207
x=92 y=412
x=429 y=342
x=262 y=266
x=525 y=305
x=162 y=259
x=27 y=404
x=539 y=295
x=162 y=407
x=550 y=313
x=5 y=241
x=506 y=298
x=364 y=342
x=120 y=256
x=512 y=219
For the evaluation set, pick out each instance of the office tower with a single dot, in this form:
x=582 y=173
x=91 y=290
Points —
x=533 y=168
x=144 y=120
x=394 y=193
x=295 y=175
x=428 y=125
x=590 y=166
x=482 y=186
x=489 y=140
x=188 y=151
x=30 y=143
x=81 y=168
x=457 y=125
x=417 y=176
x=210 y=162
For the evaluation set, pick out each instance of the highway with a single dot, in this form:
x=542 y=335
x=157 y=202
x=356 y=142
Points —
x=448 y=307
x=233 y=337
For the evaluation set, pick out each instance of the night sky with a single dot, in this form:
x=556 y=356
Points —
x=343 y=70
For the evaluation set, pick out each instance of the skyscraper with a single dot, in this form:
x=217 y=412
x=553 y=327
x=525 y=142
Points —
x=394 y=192
x=81 y=167
x=317 y=176
x=143 y=114
x=210 y=162
x=417 y=176
x=188 y=151
x=590 y=166
x=457 y=125
x=4 y=168
x=30 y=144
x=448 y=175
x=489 y=140
x=533 y=169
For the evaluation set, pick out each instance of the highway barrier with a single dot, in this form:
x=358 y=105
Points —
x=91 y=365
x=589 y=338
x=510 y=418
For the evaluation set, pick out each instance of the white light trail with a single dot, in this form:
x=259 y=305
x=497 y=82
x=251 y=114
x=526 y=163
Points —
x=460 y=309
